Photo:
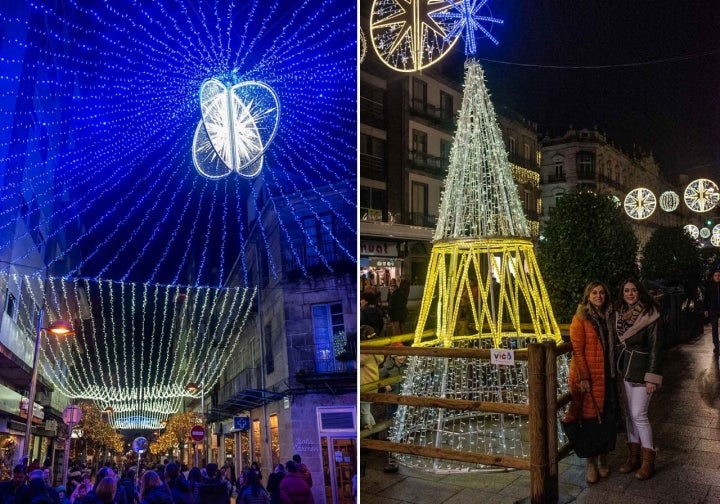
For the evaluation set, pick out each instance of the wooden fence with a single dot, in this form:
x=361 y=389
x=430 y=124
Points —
x=541 y=409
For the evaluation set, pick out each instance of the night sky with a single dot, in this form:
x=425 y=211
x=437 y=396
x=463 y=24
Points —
x=642 y=72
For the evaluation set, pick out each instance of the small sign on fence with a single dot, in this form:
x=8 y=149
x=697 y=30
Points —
x=502 y=356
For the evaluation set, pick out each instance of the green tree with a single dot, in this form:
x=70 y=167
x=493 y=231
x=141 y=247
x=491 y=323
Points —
x=671 y=255
x=587 y=238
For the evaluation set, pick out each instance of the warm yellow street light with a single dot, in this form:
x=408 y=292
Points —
x=59 y=328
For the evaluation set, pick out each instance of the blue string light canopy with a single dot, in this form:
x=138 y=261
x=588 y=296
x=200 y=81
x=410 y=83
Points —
x=99 y=108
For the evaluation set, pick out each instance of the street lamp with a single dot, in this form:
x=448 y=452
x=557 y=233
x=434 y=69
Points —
x=193 y=388
x=59 y=328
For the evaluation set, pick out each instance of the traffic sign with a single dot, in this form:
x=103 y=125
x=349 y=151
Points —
x=197 y=433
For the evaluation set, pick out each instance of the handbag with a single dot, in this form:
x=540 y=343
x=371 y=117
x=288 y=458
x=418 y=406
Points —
x=591 y=436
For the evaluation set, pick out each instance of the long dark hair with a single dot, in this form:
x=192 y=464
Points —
x=253 y=482
x=644 y=296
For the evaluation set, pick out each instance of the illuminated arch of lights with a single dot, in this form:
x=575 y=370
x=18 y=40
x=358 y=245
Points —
x=136 y=346
x=98 y=115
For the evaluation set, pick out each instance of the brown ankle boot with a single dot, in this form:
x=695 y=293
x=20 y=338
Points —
x=648 y=464
x=633 y=461
x=591 y=472
x=603 y=468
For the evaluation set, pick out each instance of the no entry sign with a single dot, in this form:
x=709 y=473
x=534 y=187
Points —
x=197 y=433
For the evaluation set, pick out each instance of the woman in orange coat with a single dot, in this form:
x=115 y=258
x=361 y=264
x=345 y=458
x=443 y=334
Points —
x=591 y=368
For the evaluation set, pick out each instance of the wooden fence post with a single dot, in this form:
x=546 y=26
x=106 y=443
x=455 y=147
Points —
x=552 y=485
x=538 y=424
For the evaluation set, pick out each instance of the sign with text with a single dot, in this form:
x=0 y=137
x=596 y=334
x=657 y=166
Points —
x=197 y=433
x=502 y=356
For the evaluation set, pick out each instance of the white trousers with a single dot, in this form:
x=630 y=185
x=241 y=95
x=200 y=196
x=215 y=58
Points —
x=636 y=421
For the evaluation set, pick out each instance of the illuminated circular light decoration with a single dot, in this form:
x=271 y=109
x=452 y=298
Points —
x=705 y=232
x=692 y=230
x=640 y=203
x=669 y=201
x=715 y=240
x=701 y=195
x=238 y=124
x=405 y=34
x=363 y=45
x=716 y=229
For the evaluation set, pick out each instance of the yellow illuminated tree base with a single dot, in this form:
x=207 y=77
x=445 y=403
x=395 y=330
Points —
x=487 y=289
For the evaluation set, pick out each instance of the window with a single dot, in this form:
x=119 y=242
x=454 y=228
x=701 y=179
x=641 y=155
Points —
x=257 y=452
x=511 y=146
x=419 y=139
x=372 y=203
x=372 y=146
x=526 y=200
x=419 y=203
x=11 y=305
x=446 y=107
x=419 y=96
x=445 y=148
x=269 y=357
x=274 y=439
x=586 y=165
x=317 y=239
x=245 y=448
x=526 y=152
x=329 y=335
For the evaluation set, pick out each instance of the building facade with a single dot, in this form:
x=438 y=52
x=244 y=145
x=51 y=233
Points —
x=583 y=158
x=291 y=389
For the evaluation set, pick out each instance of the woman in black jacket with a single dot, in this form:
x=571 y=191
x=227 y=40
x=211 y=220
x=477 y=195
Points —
x=639 y=353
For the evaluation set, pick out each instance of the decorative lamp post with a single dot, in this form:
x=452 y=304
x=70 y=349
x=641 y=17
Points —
x=60 y=328
x=72 y=415
x=193 y=387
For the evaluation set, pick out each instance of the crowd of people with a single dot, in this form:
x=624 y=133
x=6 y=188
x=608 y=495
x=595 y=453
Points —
x=169 y=483
x=616 y=368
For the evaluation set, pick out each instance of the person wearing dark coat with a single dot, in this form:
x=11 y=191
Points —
x=370 y=314
x=128 y=484
x=178 y=485
x=293 y=488
x=153 y=490
x=273 y=483
x=41 y=489
x=213 y=490
x=712 y=307
x=16 y=489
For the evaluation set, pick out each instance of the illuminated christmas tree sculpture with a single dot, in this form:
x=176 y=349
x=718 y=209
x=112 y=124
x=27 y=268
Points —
x=483 y=290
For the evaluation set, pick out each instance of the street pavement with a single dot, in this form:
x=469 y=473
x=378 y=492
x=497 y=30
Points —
x=686 y=425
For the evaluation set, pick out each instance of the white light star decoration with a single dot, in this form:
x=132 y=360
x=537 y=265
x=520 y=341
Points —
x=467 y=18
x=238 y=124
x=701 y=195
x=640 y=203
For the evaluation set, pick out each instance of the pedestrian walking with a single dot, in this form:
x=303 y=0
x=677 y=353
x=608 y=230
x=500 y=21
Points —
x=293 y=489
x=254 y=493
x=639 y=364
x=712 y=306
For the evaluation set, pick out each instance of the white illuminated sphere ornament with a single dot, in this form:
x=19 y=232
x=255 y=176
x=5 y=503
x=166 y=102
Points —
x=716 y=229
x=238 y=124
x=715 y=240
x=669 y=201
x=640 y=203
x=692 y=230
x=705 y=232
x=363 y=45
x=701 y=195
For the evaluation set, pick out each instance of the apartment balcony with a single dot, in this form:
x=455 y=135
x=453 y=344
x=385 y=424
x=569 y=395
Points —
x=320 y=367
x=608 y=181
x=422 y=219
x=523 y=162
x=586 y=176
x=433 y=114
x=372 y=167
x=555 y=179
x=427 y=163
x=372 y=113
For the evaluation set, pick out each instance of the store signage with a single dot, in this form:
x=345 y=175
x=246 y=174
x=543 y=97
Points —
x=378 y=248
x=241 y=423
